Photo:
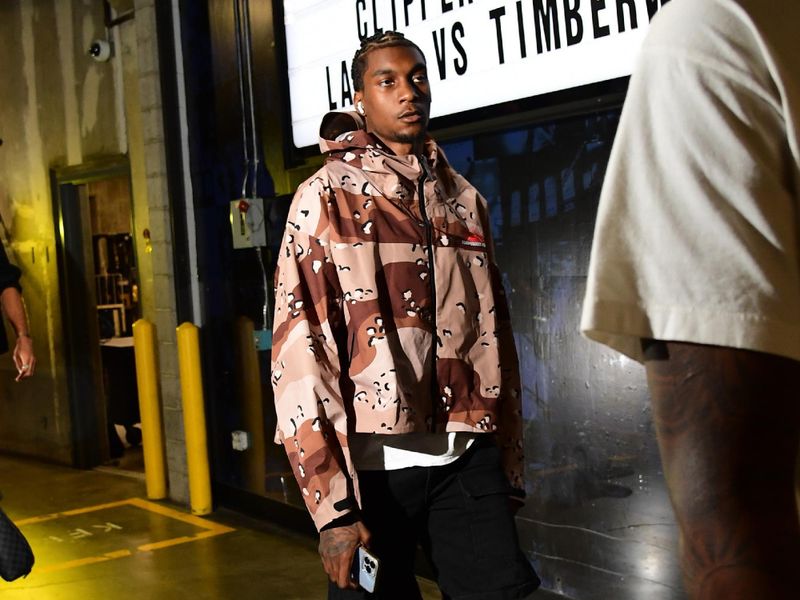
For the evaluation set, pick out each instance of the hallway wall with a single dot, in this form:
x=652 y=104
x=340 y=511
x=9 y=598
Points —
x=597 y=523
x=59 y=108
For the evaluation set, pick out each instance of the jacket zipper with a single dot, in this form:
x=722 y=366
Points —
x=426 y=174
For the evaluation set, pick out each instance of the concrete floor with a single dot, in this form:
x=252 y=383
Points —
x=95 y=536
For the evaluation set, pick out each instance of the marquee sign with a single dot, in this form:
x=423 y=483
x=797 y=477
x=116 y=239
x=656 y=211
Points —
x=479 y=52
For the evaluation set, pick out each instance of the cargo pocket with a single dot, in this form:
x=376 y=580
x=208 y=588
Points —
x=486 y=496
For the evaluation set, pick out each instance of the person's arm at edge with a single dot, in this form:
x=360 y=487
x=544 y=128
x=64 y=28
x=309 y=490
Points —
x=728 y=419
x=14 y=309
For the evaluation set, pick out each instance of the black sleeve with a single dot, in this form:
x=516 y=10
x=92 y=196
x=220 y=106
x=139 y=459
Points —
x=9 y=274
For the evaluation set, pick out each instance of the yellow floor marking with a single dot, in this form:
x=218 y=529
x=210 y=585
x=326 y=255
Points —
x=165 y=544
x=210 y=528
x=71 y=513
x=174 y=514
x=82 y=562
x=176 y=541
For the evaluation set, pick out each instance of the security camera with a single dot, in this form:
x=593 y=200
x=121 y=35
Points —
x=100 y=50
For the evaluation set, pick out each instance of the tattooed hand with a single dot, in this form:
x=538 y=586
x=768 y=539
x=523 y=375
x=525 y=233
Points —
x=337 y=546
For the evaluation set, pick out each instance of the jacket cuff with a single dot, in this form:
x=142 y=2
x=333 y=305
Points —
x=338 y=503
x=328 y=516
x=348 y=519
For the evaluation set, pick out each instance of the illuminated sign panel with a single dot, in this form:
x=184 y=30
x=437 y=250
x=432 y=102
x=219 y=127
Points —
x=479 y=52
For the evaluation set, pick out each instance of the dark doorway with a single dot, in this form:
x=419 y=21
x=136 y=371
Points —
x=99 y=285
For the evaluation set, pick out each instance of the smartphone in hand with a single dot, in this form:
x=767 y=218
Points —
x=365 y=569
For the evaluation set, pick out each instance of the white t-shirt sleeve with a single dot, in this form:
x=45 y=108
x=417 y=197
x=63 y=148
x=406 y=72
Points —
x=697 y=231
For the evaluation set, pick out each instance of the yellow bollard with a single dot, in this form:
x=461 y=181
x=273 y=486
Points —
x=155 y=471
x=251 y=403
x=194 y=418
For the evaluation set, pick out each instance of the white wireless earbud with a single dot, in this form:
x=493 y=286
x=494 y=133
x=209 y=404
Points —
x=360 y=107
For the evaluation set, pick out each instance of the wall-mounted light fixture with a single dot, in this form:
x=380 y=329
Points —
x=100 y=50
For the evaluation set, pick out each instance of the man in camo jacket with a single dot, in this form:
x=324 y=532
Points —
x=394 y=369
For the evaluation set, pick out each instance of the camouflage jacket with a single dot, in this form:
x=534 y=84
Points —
x=357 y=302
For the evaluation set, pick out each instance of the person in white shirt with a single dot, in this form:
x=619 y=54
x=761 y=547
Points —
x=695 y=272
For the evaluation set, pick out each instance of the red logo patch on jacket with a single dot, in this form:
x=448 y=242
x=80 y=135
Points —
x=475 y=241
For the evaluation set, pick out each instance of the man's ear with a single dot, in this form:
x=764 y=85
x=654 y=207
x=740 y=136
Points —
x=358 y=103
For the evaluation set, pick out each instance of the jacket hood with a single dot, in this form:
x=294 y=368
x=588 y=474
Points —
x=333 y=125
x=343 y=136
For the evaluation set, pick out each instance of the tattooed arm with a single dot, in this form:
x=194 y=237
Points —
x=337 y=545
x=727 y=422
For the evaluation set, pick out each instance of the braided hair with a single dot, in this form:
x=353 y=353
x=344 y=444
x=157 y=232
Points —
x=383 y=39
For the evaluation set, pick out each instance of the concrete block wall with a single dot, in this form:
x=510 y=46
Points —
x=162 y=312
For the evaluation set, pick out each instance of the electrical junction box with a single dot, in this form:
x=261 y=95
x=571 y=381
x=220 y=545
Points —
x=248 y=223
x=240 y=440
x=262 y=339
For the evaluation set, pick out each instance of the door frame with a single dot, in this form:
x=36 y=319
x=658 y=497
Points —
x=74 y=255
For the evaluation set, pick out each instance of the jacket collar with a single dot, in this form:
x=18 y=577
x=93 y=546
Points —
x=376 y=156
x=343 y=138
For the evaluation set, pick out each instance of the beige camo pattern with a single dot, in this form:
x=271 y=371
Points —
x=353 y=332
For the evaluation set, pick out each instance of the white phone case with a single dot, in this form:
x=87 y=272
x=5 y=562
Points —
x=365 y=570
